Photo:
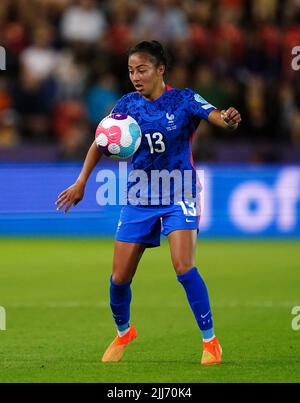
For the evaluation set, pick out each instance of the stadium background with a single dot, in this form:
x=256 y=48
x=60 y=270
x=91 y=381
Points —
x=66 y=66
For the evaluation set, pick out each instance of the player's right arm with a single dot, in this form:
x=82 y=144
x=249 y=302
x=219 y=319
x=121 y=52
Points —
x=73 y=194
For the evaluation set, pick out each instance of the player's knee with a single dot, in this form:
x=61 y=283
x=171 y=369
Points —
x=119 y=278
x=182 y=266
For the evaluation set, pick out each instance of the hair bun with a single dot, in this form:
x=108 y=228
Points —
x=157 y=45
x=153 y=48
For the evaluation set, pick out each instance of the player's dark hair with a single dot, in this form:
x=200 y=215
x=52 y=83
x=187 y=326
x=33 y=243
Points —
x=154 y=49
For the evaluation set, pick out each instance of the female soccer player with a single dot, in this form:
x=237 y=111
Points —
x=167 y=117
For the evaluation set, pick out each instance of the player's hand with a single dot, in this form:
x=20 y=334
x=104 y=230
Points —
x=71 y=196
x=231 y=117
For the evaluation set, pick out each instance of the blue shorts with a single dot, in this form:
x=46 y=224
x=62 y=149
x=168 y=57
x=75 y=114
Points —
x=144 y=224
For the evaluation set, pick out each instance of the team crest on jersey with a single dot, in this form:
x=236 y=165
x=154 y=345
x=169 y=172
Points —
x=171 y=122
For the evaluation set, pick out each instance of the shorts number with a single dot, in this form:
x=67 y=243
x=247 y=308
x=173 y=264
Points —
x=159 y=142
x=188 y=208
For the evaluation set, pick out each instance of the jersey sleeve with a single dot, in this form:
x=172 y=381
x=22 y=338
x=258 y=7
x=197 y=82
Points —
x=197 y=105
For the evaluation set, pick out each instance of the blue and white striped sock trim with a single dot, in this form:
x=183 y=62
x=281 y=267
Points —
x=123 y=329
x=208 y=335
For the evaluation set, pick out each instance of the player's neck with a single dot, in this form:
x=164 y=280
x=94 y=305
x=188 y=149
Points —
x=157 y=93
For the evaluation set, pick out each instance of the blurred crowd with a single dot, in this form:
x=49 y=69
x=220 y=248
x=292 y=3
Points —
x=66 y=66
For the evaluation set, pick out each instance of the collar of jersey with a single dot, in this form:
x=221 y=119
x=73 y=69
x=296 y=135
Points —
x=168 y=88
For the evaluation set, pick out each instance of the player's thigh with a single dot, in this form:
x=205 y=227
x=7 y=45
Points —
x=126 y=259
x=182 y=248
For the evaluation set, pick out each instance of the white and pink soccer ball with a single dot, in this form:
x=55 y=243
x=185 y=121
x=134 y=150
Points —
x=118 y=136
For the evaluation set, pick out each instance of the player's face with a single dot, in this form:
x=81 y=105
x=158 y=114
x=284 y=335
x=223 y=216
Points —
x=145 y=76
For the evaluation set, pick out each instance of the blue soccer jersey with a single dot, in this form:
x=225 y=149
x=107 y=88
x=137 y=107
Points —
x=167 y=126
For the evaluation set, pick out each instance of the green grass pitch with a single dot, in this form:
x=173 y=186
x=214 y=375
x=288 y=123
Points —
x=55 y=293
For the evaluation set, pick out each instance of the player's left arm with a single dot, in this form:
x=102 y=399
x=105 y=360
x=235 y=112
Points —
x=227 y=119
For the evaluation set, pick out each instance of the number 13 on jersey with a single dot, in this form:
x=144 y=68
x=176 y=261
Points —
x=156 y=142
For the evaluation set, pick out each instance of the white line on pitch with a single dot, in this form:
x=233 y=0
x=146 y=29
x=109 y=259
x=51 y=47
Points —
x=105 y=304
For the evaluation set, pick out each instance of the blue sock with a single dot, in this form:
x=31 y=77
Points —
x=197 y=296
x=120 y=298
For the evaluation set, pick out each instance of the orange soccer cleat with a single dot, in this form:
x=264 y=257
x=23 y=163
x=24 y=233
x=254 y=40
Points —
x=212 y=352
x=115 y=350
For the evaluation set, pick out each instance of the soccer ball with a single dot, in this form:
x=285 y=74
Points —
x=118 y=136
